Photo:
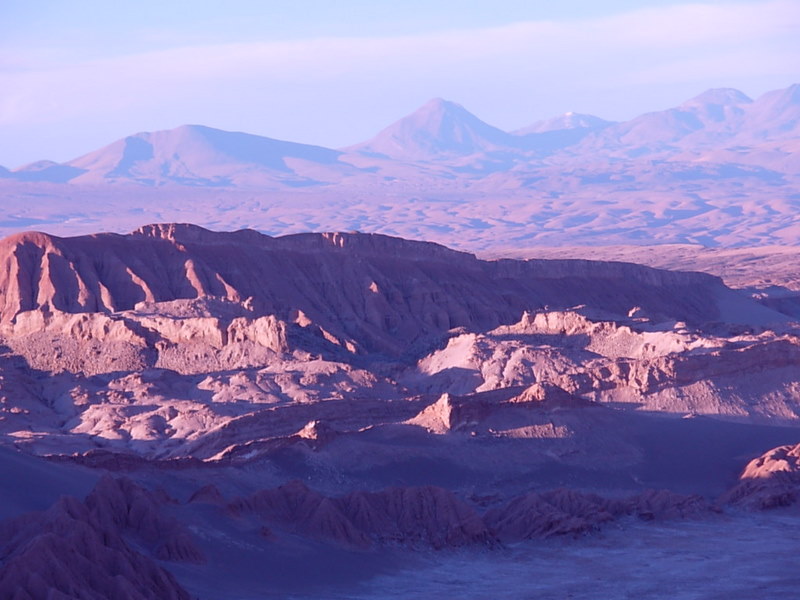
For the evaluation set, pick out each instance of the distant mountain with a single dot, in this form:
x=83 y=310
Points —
x=714 y=133
x=713 y=117
x=46 y=170
x=773 y=116
x=437 y=130
x=202 y=156
x=557 y=133
x=570 y=120
x=717 y=102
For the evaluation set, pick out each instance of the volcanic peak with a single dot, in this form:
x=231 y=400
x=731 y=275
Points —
x=720 y=96
x=439 y=128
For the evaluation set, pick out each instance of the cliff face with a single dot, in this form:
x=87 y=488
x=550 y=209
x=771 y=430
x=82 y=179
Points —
x=379 y=293
x=425 y=398
x=175 y=340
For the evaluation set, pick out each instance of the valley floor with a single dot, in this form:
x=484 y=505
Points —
x=740 y=557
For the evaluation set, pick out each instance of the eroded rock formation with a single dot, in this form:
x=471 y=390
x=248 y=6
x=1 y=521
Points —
x=79 y=549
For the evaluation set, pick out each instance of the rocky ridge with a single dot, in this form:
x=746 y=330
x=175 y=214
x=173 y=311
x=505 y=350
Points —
x=770 y=481
x=176 y=341
x=349 y=392
x=86 y=549
x=79 y=549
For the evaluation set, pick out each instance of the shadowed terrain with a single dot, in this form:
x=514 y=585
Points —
x=239 y=415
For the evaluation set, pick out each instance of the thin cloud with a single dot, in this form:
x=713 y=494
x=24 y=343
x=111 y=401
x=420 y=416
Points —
x=496 y=69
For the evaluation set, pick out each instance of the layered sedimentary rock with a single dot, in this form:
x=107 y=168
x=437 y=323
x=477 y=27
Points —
x=176 y=341
x=425 y=398
x=378 y=292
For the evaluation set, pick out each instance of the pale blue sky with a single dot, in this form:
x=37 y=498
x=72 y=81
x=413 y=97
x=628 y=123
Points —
x=77 y=75
x=162 y=23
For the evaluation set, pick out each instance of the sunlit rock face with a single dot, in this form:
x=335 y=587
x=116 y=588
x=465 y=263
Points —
x=179 y=341
x=236 y=399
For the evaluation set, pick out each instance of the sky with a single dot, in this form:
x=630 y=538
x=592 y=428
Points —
x=77 y=75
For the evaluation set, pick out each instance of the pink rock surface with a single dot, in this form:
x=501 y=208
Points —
x=177 y=342
x=770 y=481
x=330 y=278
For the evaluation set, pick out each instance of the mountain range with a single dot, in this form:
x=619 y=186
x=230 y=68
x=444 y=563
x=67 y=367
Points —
x=256 y=408
x=720 y=169
x=444 y=133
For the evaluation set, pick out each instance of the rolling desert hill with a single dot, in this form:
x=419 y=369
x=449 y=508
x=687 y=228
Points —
x=710 y=119
x=201 y=156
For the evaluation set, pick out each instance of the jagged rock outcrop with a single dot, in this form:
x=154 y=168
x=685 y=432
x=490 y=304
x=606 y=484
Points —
x=533 y=516
x=770 y=481
x=471 y=412
x=664 y=367
x=104 y=546
x=181 y=335
x=121 y=505
x=542 y=392
x=302 y=511
x=78 y=549
x=563 y=511
x=783 y=461
x=760 y=494
x=450 y=413
x=176 y=342
x=430 y=516
x=357 y=362
x=374 y=292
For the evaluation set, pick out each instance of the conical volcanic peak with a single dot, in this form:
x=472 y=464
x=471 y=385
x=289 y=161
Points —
x=438 y=129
